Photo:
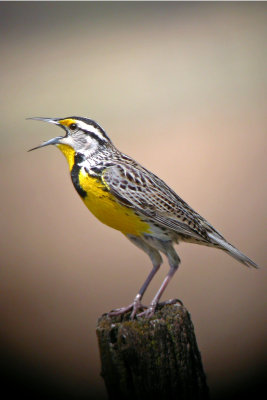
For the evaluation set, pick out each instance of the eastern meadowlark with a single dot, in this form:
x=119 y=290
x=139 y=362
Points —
x=126 y=196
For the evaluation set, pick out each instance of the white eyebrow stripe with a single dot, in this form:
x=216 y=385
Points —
x=91 y=128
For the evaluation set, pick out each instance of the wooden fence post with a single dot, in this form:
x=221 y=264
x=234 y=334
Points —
x=155 y=358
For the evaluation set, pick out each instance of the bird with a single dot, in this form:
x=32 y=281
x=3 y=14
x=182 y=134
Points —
x=126 y=196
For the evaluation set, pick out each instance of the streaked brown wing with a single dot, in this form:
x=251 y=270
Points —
x=143 y=191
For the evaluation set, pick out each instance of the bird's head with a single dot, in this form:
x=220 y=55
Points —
x=82 y=135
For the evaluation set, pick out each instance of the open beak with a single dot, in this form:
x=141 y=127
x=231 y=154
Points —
x=51 y=141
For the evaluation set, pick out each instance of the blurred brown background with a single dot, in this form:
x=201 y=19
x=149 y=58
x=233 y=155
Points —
x=181 y=87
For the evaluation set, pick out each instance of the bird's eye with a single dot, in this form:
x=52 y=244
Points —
x=73 y=127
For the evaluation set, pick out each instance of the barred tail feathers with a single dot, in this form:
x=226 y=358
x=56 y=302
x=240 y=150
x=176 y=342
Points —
x=232 y=250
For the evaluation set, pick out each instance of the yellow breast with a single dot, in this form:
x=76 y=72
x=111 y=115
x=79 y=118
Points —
x=104 y=206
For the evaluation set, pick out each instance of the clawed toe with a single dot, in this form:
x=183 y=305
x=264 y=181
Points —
x=120 y=311
x=150 y=311
x=135 y=307
x=147 y=313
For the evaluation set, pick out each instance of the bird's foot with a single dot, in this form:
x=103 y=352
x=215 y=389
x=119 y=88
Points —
x=135 y=307
x=150 y=311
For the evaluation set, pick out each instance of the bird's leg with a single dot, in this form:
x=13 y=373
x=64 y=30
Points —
x=156 y=261
x=136 y=305
x=151 y=309
x=174 y=262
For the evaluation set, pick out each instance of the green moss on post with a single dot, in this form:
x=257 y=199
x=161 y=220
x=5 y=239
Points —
x=151 y=358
